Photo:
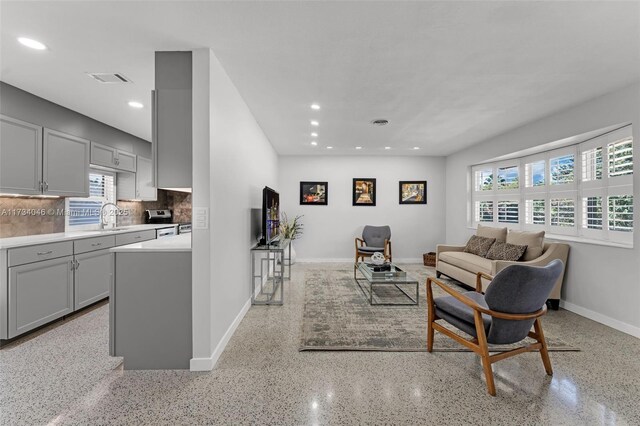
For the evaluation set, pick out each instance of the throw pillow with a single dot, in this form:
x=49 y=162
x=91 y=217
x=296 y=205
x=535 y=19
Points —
x=479 y=245
x=505 y=251
x=500 y=234
x=533 y=240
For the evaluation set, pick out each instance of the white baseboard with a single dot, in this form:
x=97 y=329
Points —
x=350 y=260
x=207 y=364
x=602 y=319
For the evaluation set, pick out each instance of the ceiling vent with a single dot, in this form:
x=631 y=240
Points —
x=108 y=77
x=380 y=122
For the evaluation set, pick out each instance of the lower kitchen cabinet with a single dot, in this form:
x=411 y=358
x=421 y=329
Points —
x=39 y=292
x=93 y=276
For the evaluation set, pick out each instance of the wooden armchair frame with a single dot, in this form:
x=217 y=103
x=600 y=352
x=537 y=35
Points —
x=479 y=345
x=362 y=254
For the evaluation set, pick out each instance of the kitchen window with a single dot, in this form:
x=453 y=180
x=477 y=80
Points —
x=84 y=213
x=581 y=192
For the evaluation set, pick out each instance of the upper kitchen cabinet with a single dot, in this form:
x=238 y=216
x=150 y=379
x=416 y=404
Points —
x=172 y=119
x=20 y=157
x=145 y=190
x=65 y=165
x=139 y=185
x=106 y=156
x=33 y=161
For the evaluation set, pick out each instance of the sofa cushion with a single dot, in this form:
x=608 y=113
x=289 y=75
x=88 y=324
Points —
x=500 y=234
x=505 y=251
x=479 y=245
x=533 y=240
x=467 y=261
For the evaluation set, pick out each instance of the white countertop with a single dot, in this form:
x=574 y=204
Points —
x=174 y=243
x=29 y=240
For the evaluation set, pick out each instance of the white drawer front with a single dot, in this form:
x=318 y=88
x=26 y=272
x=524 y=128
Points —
x=22 y=255
x=92 y=244
x=135 y=237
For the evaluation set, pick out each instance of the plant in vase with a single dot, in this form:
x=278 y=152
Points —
x=292 y=230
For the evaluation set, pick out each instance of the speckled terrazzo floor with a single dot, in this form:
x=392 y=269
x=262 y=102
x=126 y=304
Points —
x=64 y=376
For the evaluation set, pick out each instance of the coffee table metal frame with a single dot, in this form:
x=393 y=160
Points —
x=396 y=281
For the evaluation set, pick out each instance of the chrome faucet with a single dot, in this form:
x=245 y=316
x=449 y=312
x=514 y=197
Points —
x=102 y=224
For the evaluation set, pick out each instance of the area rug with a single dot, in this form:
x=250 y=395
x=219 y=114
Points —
x=337 y=316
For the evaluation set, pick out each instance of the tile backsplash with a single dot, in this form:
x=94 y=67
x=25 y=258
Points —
x=21 y=216
x=178 y=202
x=30 y=216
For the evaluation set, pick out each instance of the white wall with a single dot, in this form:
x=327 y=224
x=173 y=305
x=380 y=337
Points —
x=236 y=161
x=601 y=282
x=329 y=231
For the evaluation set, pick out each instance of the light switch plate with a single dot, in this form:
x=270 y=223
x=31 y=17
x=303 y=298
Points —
x=201 y=218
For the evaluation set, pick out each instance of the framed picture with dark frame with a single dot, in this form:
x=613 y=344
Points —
x=314 y=193
x=364 y=192
x=413 y=192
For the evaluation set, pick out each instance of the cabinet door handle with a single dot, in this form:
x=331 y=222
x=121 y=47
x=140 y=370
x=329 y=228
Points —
x=42 y=253
x=96 y=244
x=138 y=237
x=77 y=264
x=46 y=186
x=72 y=264
x=41 y=184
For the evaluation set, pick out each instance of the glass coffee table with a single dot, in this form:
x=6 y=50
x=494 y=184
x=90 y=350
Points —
x=386 y=286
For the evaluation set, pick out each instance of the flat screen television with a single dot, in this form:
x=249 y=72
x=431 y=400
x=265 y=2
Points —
x=270 y=215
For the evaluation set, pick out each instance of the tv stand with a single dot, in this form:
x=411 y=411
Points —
x=275 y=267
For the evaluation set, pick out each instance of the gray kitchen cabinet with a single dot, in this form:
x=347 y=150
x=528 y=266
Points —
x=172 y=119
x=106 y=156
x=145 y=190
x=93 y=273
x=20 y=157
x=103 y=155
x=126 y=186
x=65 y=165
x=135 y=237
x=39 y=292
x=126 y=161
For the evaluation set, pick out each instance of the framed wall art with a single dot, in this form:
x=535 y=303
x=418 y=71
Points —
x=314 y=193
x=413 y=192
x=364 y=192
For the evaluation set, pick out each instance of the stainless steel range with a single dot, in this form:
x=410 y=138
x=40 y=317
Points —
x=184 y=228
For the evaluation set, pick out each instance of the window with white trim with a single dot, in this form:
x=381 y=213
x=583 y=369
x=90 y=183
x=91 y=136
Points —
x=84 y=213
x=583 y=191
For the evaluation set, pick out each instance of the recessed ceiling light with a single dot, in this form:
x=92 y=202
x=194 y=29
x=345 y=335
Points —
x=329 y=147
x=135 y=104
x=387 y=147
x=314 y=134
x=315 y=106
x=416 y=147
x=358 y=147
x=34 y=44
x=314 y=123
x=314 y=143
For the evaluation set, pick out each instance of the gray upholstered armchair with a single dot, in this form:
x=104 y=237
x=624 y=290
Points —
x=513 y=302
x=374 y=239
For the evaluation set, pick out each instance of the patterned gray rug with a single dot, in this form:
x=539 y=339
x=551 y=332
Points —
x=337 y=316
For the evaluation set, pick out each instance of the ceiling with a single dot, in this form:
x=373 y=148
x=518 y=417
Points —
x=445 y=74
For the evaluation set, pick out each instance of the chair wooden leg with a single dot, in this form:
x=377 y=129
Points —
x=484 y=353
x=544 y=352
x=431 y=317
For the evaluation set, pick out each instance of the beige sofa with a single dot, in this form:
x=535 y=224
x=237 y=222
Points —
x=454 y=263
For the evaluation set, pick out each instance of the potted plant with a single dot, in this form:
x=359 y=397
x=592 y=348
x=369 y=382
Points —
x=292 y=230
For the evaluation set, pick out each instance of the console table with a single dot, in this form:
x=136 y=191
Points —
x=275 y=267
